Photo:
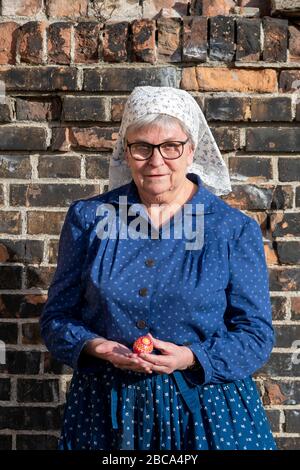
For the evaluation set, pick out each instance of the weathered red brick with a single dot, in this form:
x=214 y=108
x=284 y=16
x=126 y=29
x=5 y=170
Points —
x=68 y=8
x=59 y=43
x=31 y=42
x=93 y=138
x=143 y=40
x=294 y=43
x=114 y=41
x=217 y=7
x=87 y=42
x=263 y=5
x=38 y=109
x=21 y=7
x=194 y=40
x=275 y=39
x=169 y=42
x=8 y=42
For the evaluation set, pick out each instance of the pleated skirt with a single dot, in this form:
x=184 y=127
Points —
x=114 y=410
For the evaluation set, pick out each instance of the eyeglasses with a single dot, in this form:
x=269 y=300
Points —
x=169 y=150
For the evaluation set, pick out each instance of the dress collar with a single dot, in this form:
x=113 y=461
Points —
x=201 y=196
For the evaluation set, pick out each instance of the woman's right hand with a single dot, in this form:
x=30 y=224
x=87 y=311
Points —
x=117 y=354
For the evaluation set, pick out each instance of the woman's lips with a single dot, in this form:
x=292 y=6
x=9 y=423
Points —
x=155 y=176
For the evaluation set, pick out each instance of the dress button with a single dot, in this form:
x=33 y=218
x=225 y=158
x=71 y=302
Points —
x=143 y=291
x=149 y=262
x=141 y=324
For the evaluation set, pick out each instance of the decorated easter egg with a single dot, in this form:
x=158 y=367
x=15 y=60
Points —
x=143 y=345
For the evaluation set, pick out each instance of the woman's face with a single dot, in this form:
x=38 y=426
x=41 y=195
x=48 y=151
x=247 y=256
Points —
x=172 y=173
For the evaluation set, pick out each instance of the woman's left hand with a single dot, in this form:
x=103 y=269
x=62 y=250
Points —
x=173 y=357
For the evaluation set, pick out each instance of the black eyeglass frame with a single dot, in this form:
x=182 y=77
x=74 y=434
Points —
x=157 y=146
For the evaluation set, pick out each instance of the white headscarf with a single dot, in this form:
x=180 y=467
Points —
x=207 y=161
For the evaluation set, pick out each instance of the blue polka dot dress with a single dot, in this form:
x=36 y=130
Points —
x=200 y=280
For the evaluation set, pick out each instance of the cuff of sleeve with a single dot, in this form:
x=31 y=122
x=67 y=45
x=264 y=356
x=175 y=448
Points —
x=77 y=356
x=204 y=374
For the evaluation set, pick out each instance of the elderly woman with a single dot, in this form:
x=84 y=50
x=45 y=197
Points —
x=127 y=268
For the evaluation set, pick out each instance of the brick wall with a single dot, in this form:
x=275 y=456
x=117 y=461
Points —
x=67 y=67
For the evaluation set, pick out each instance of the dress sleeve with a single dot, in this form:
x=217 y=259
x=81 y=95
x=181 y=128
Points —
x=62 y=328
x=247 y=341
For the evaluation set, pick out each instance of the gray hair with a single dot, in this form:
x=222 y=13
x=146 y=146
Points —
x=163 y=120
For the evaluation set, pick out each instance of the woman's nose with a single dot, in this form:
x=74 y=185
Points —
x=156 y=157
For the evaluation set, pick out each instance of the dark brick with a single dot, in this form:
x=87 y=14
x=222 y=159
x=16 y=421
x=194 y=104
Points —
x=28 y=251
x=97 y=166
x=114 y=41
x=274 y=419
x=266 y=139
x=222 y=38
x=5 y=442
x=143 y=40
x=59 y=43
x=292 y=421
x=39 y=442
x=31 y=39
x=23 y=138
x=195 y=41
x=250 y=197
x=53 y=366
x=4 y=390
x=117 y=108
x=59 y=195
x=288 y=252
x=275 y=40
x=282 y=197
x=226 y=108
x=281 y=365
x=169 y=39
x=227 y=138
x=248 y=44
x=285 y=224
x=87 y=42
x=10 y=277
x=38 y=109
x=289 y=80
x=298 y=196
x=85 y=108
x=40 y=78
x=53 y=251
x=271 y=109
x=30 y=418
x=44 y=222
x=289 y=169
x=284 y=279
x=33 y=390
x=6 y=112
x=59 y=166
x=279 y=308
x=10 y=222
x=21 y=306
x=31 y=333
x=39 y=277
x=286 y=335
x=14 y=166
x=21 y=362
x=288 y=443
x=295 y=308
x=9 y=333
x=249 y=168
x=294 y=43
x=106 y=79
